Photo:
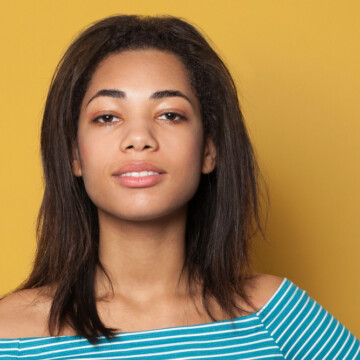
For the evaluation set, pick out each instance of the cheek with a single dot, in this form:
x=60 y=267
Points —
x=188 y=164
x=90 y=150
x=93 y=159
x=84 y=152
x=93 y=165
x=193 y=152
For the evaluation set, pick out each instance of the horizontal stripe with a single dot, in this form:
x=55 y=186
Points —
x=291 y=325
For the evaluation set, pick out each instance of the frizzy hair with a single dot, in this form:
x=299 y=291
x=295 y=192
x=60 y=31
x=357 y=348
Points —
x=222 y=217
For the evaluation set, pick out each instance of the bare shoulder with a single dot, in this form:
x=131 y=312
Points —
x=261 y=287
x=24 y=313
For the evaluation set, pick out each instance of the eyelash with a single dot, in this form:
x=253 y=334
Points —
x=100 y=119
x=180 y=117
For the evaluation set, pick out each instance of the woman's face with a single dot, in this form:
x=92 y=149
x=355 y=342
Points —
x=139 y=107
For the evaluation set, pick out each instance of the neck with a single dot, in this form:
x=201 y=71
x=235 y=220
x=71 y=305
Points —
x=144 y=260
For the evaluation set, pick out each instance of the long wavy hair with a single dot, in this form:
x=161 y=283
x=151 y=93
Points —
x=223 y=215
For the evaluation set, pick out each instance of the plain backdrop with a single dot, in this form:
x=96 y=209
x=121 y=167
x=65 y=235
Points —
x=296 y=65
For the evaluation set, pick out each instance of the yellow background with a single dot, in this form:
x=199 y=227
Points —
x=296 y=64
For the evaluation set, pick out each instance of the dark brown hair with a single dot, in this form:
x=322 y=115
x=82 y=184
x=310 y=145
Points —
x=222 y=216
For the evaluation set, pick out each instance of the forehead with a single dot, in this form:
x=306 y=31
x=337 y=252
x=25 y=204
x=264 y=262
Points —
x=145 y=70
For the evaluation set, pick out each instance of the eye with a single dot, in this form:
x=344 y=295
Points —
x=172 y=116
x=106 y=119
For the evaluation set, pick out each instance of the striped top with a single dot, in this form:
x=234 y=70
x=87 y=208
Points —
x=291 y=325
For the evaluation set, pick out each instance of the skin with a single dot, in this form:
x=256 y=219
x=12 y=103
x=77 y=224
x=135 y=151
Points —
x=142 y=230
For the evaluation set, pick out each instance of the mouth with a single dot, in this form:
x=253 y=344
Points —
x=137 y=174
x=138 y=169
x=140 y=179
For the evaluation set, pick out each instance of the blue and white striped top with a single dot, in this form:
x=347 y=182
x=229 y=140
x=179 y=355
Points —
x=291 y=325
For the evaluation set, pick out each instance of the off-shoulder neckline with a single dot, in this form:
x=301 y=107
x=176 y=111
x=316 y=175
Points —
x=238 y=320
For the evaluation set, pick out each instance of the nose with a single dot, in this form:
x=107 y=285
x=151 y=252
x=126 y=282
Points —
x=139 y=136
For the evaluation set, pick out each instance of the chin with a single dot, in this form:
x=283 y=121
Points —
x=134 y=214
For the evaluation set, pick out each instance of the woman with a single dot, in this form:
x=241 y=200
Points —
x=151 y=199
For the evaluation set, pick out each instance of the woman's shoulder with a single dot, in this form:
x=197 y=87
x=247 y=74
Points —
x=301 y=327
x=23 y=313
x=262 y=287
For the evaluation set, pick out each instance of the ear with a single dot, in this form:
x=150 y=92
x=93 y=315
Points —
x=76 y=164
x=209 y=156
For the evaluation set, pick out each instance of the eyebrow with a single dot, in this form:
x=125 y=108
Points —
x=119 y=94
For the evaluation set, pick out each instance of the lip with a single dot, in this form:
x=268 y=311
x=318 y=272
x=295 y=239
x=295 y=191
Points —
x=137 y=167
x=139 y=182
